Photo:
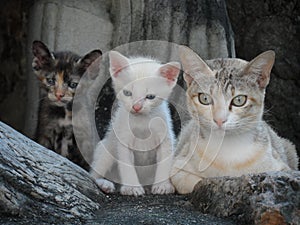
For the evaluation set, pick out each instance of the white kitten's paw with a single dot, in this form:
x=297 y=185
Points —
x=132 y=190
x=162 y=188
x=106 y=185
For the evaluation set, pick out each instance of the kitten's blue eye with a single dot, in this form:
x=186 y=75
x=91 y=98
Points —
x=51 y=81
x=127 y=93
x=73 y=85
x=204 y=99
x=239 y=100
x=150 y=96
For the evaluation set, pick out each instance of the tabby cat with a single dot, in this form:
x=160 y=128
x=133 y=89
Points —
x=59 y=74
x=226 y=135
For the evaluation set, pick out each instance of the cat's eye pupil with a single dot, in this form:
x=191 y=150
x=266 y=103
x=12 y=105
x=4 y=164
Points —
x=50 y=81
x=127 y=93
x=150 y=96
x=239 y=100
x=73 y=85
x=204 y=99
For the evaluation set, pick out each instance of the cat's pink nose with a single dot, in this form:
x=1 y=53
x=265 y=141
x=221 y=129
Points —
x=59 y=95
x=137 y=107
x=220 y=122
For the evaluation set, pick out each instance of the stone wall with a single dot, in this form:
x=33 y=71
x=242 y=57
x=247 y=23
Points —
x=13 y=62
x=262 y=25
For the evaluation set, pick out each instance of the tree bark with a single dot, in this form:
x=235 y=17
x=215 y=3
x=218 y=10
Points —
x=36 y=182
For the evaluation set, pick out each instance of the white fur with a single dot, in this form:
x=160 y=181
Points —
x=133 y=136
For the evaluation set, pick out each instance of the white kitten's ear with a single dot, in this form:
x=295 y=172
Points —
x=192 y=64
x=117 y=62
x=170 y=71
x=261 y=66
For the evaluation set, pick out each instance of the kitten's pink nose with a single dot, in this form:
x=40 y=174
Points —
x=59 y=95
x=137 y=107
x=220 y=121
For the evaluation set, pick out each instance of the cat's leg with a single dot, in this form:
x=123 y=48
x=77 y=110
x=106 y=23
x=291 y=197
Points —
x=184 y=179
x=102 y=162
x=128 y=175
x=164 y=158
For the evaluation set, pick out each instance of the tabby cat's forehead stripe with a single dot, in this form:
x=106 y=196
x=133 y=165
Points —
x=60 y=78
x=223 y=80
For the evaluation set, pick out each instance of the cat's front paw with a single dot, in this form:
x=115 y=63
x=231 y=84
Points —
x=132 y=190
x=163 y=188
x=106 y=185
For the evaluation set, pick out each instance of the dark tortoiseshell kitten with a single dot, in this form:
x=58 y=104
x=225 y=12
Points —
x=59 y=74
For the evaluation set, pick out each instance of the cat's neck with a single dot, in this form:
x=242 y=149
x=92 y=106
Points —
x=236 y=134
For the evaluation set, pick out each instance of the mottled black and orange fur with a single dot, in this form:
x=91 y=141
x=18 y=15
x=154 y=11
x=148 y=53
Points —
x=59 y=73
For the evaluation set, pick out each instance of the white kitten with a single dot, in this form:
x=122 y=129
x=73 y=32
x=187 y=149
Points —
x=140 y=138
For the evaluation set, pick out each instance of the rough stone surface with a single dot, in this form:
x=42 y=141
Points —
x=36 y=182
x=262 y=25
x=154 y=209
x=12 y=62
x=268 y=198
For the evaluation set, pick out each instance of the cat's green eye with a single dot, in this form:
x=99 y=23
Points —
x=204 y=99
x=51 y=81
x=127 y=93
x=73 y=84
x=150 y=96
x=239 y=100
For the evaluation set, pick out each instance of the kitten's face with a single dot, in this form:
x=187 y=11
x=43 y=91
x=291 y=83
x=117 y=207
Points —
x=227 y=94
x=60 y=72
x=142 y=84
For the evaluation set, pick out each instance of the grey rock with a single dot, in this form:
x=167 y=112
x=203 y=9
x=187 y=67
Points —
x=267 y=198
x=262 y=25
x=36 y=182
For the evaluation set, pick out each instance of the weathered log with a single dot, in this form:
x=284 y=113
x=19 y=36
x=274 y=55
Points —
x=36 y=182
x=267 y=198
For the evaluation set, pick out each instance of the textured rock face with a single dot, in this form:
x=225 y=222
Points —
x=263 y=25
x=12 y=62
x=268 y=198
x=36 y=182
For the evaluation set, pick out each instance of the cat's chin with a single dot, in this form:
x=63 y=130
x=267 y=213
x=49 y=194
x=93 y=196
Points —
x=136 y=113
x=59 y=103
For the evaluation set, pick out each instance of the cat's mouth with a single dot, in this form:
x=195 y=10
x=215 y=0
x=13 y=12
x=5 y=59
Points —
x=135 y=112
x=61 y=102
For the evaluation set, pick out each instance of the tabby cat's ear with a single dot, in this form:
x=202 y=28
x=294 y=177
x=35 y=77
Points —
x=192 y=64
x=170 y=71
x=42 y=56
x=261 y=67
x=117 y=63
x=89 y=58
